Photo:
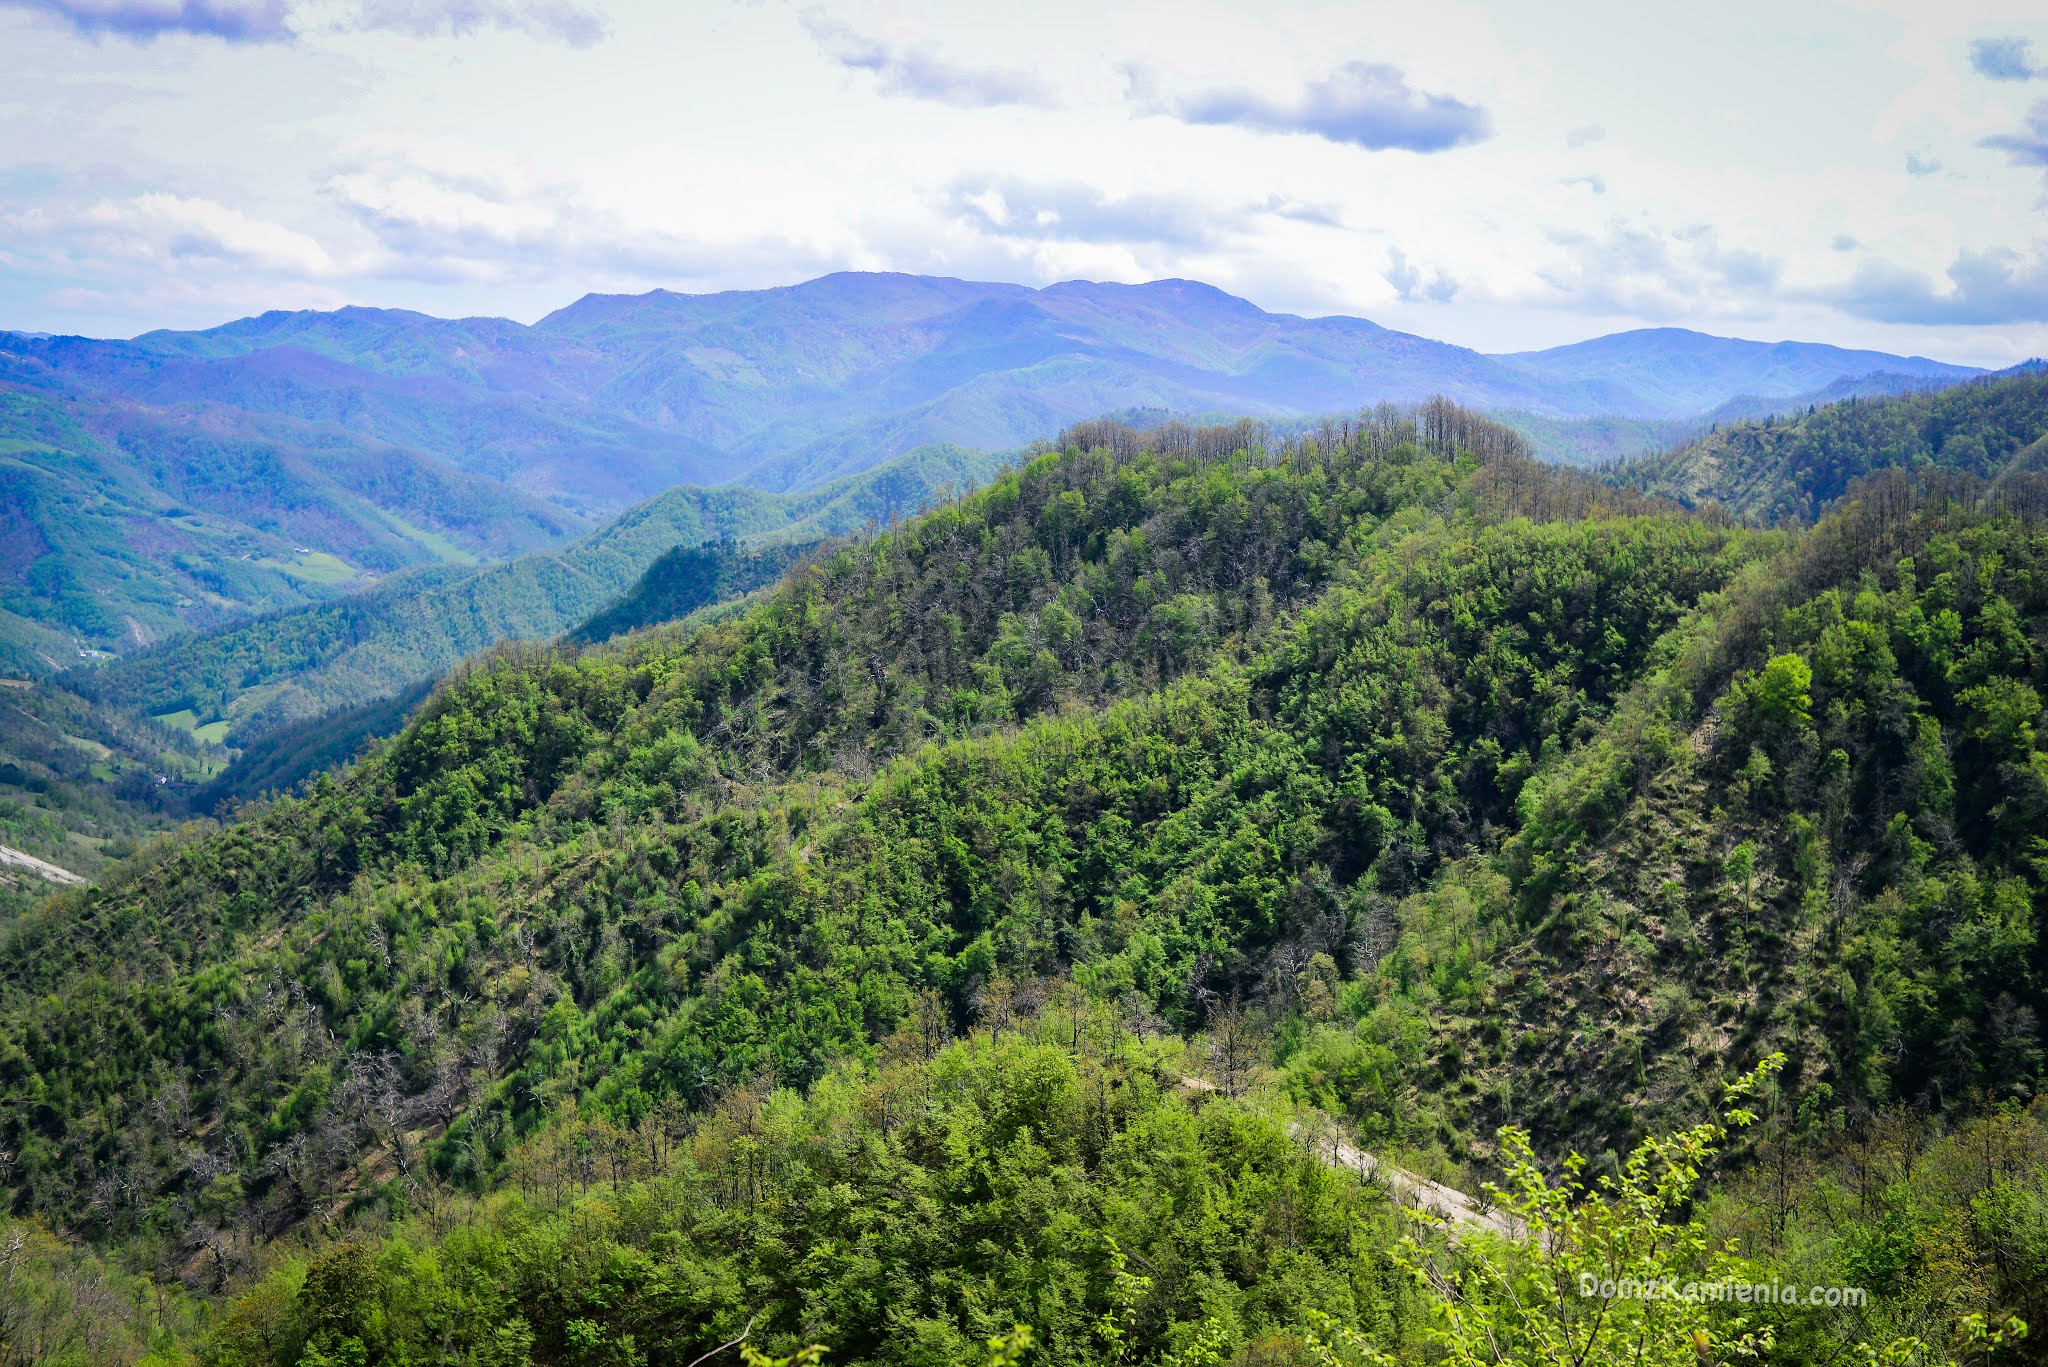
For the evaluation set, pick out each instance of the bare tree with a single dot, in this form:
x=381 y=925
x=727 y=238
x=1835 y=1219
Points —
x=1234 y=1046
x=931 y=1024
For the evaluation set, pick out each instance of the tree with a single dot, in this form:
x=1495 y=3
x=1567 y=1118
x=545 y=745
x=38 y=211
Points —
x=1740 y=867
x=1783 y=695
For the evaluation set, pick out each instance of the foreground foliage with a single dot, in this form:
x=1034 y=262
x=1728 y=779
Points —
x=905 y=1211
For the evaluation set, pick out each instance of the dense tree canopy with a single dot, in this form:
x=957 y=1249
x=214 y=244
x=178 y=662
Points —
x=1419 y=788
x=1774 y=469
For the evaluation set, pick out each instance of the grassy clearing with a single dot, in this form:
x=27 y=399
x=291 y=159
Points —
x=187 y=720
x=90 y=747
x=441 y=546
x=316 y=567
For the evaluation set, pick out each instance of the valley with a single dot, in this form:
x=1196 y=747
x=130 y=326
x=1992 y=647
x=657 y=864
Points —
x=1095 y=888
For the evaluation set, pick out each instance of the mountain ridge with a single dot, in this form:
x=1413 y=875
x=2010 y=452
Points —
x=612 y=397
x=1792 y=470
x=1779 y=369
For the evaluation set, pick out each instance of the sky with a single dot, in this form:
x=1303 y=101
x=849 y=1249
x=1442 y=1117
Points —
x=1500 y=175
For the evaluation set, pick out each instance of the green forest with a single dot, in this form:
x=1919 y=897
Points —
x=94 y=761
x=1074 y=924
x=1791 y=468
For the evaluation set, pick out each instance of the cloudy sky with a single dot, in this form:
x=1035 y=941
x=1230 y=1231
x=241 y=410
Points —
x=1502 y=175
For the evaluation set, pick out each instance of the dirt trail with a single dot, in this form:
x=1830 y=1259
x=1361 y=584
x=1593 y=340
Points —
x=1415 y=1190
x=37 y=866
x=1409 y=1188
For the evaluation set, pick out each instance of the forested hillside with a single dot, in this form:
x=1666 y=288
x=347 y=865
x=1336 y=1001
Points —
x=121 y=525
x=682 y=580
x=833 y=967
x=1773 y=470
x=687 y=579
x=279 y=760
x=1613 y=440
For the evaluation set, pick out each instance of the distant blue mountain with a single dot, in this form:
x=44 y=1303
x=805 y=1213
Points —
x=1673 y=373
x=617 y=397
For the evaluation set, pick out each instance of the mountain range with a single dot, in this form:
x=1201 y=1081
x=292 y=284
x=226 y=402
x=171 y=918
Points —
x=123 y=523
x=182 y=480
x=617 y=397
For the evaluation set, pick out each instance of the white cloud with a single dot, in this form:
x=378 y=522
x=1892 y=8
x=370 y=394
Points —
x=1365 y=104
x=1990 y=287
x=451 y=212
x=188 y=228
x=1413 y=284
x=1072 y=212
x=1637 y=270
x=556 y=20
x=234 y=21
x=167 y=231
x=2029 y=146
x=2005 y=59
x=284 y=21
x=920 y=72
